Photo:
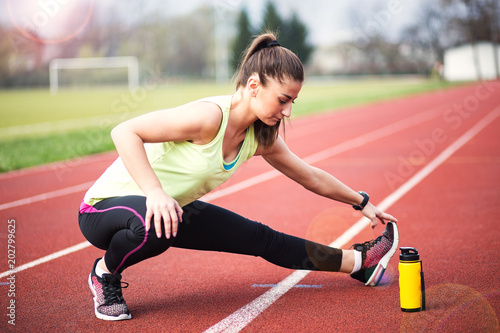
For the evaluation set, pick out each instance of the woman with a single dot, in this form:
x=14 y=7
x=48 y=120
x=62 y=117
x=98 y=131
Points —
x=147 y=199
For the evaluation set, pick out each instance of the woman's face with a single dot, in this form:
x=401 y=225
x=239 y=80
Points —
x=274 y=101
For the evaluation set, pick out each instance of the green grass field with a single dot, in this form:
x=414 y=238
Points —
x=39 y=128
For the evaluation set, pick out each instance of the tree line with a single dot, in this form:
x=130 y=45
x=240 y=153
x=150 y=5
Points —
x=185 y=46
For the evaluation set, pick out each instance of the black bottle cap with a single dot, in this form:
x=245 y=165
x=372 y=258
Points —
x=408 y=254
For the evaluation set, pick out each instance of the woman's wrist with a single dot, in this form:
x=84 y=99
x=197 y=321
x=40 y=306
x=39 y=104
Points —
x=363 y=203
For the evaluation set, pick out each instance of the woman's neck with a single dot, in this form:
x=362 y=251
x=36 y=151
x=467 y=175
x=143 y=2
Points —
x=240 y=117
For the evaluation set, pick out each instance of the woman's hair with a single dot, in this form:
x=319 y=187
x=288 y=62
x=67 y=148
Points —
x=266 y=58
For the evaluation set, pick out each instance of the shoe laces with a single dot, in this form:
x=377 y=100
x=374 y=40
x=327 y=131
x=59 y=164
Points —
x=112 y=289
x=369 y=244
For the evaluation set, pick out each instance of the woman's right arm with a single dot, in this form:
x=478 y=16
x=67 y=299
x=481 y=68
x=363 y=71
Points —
x=159 y=205
x=195 y=122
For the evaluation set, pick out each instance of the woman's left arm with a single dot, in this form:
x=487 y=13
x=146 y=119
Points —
x=318 y=181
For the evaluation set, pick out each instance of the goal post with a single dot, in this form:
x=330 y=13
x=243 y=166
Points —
x=130 y=63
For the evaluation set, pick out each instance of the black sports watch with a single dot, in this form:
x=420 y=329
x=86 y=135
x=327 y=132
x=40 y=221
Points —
x=363 y=203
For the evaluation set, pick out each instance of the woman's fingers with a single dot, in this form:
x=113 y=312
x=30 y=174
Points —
x=176 y=218
x=148 y=217
x=158 y=218
x=164 y=210
x=374 y=215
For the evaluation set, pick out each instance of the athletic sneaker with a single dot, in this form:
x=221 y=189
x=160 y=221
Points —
x=108 y=299
x=376 y=255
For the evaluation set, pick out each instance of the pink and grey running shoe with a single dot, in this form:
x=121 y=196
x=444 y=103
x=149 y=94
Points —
x=376 y=255
x=108 y=299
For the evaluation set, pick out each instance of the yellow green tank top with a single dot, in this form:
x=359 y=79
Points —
x=186 y=171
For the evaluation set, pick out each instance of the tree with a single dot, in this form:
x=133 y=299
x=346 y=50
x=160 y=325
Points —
x=496 y=36
x=243 y=37
x=425 y=39
x=292 y=33
x=433 y=25
x=475 y=20
x=294 y=37
x=20 y=58
x=272 y=20
x=190 y=47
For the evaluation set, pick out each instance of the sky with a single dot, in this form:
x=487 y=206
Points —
x=329 y=21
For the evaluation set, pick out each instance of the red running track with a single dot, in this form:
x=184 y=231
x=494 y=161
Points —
x=432 y=160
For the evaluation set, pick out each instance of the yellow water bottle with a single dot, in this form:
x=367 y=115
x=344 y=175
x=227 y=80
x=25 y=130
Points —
x=411 y=280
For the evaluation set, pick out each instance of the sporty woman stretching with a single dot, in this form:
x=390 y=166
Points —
x=146 y=201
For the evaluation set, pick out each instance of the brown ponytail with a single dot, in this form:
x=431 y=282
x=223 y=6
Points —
x=266 y=58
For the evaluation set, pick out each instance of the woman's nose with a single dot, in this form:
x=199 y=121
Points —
x=287 y=110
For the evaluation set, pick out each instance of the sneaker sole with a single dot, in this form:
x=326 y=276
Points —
x=99 y=315
x=378 y=272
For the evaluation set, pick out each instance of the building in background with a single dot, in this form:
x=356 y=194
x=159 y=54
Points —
x=468 y=62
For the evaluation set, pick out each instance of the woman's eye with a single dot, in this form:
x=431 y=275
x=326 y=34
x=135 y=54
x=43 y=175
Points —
x=281 y=101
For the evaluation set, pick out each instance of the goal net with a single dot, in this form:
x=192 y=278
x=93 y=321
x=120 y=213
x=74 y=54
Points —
x=93 y=71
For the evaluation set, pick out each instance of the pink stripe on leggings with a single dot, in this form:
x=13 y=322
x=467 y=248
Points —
x=84 y=208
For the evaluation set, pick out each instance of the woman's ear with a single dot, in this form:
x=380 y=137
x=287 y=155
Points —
x=253 y=85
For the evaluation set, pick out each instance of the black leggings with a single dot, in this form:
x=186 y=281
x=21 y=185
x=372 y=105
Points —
x=117 y=226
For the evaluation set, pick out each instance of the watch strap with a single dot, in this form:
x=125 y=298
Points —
x=363 y=203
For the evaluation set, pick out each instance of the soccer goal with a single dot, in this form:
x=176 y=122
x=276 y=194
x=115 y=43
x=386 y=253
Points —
x=129 y=63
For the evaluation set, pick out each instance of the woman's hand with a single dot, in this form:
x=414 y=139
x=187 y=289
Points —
x=374 y=214
x=161 y=206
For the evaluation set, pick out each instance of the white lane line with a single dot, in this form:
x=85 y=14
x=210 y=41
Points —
x=65 y=125
x=350 y=144
x=59 y=166
x=445 y=154
x=47 y=195
x=242 y=317
x=45 y=259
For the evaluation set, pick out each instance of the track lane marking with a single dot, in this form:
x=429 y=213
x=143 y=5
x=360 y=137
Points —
x=45 y=259
x=242 y=317
x=59 y=165
x=48 y=195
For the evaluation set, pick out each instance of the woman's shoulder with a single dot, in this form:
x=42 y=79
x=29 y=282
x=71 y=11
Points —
x=206 y=112
x=223 y=103
x=206 y=109
x=202 y=118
